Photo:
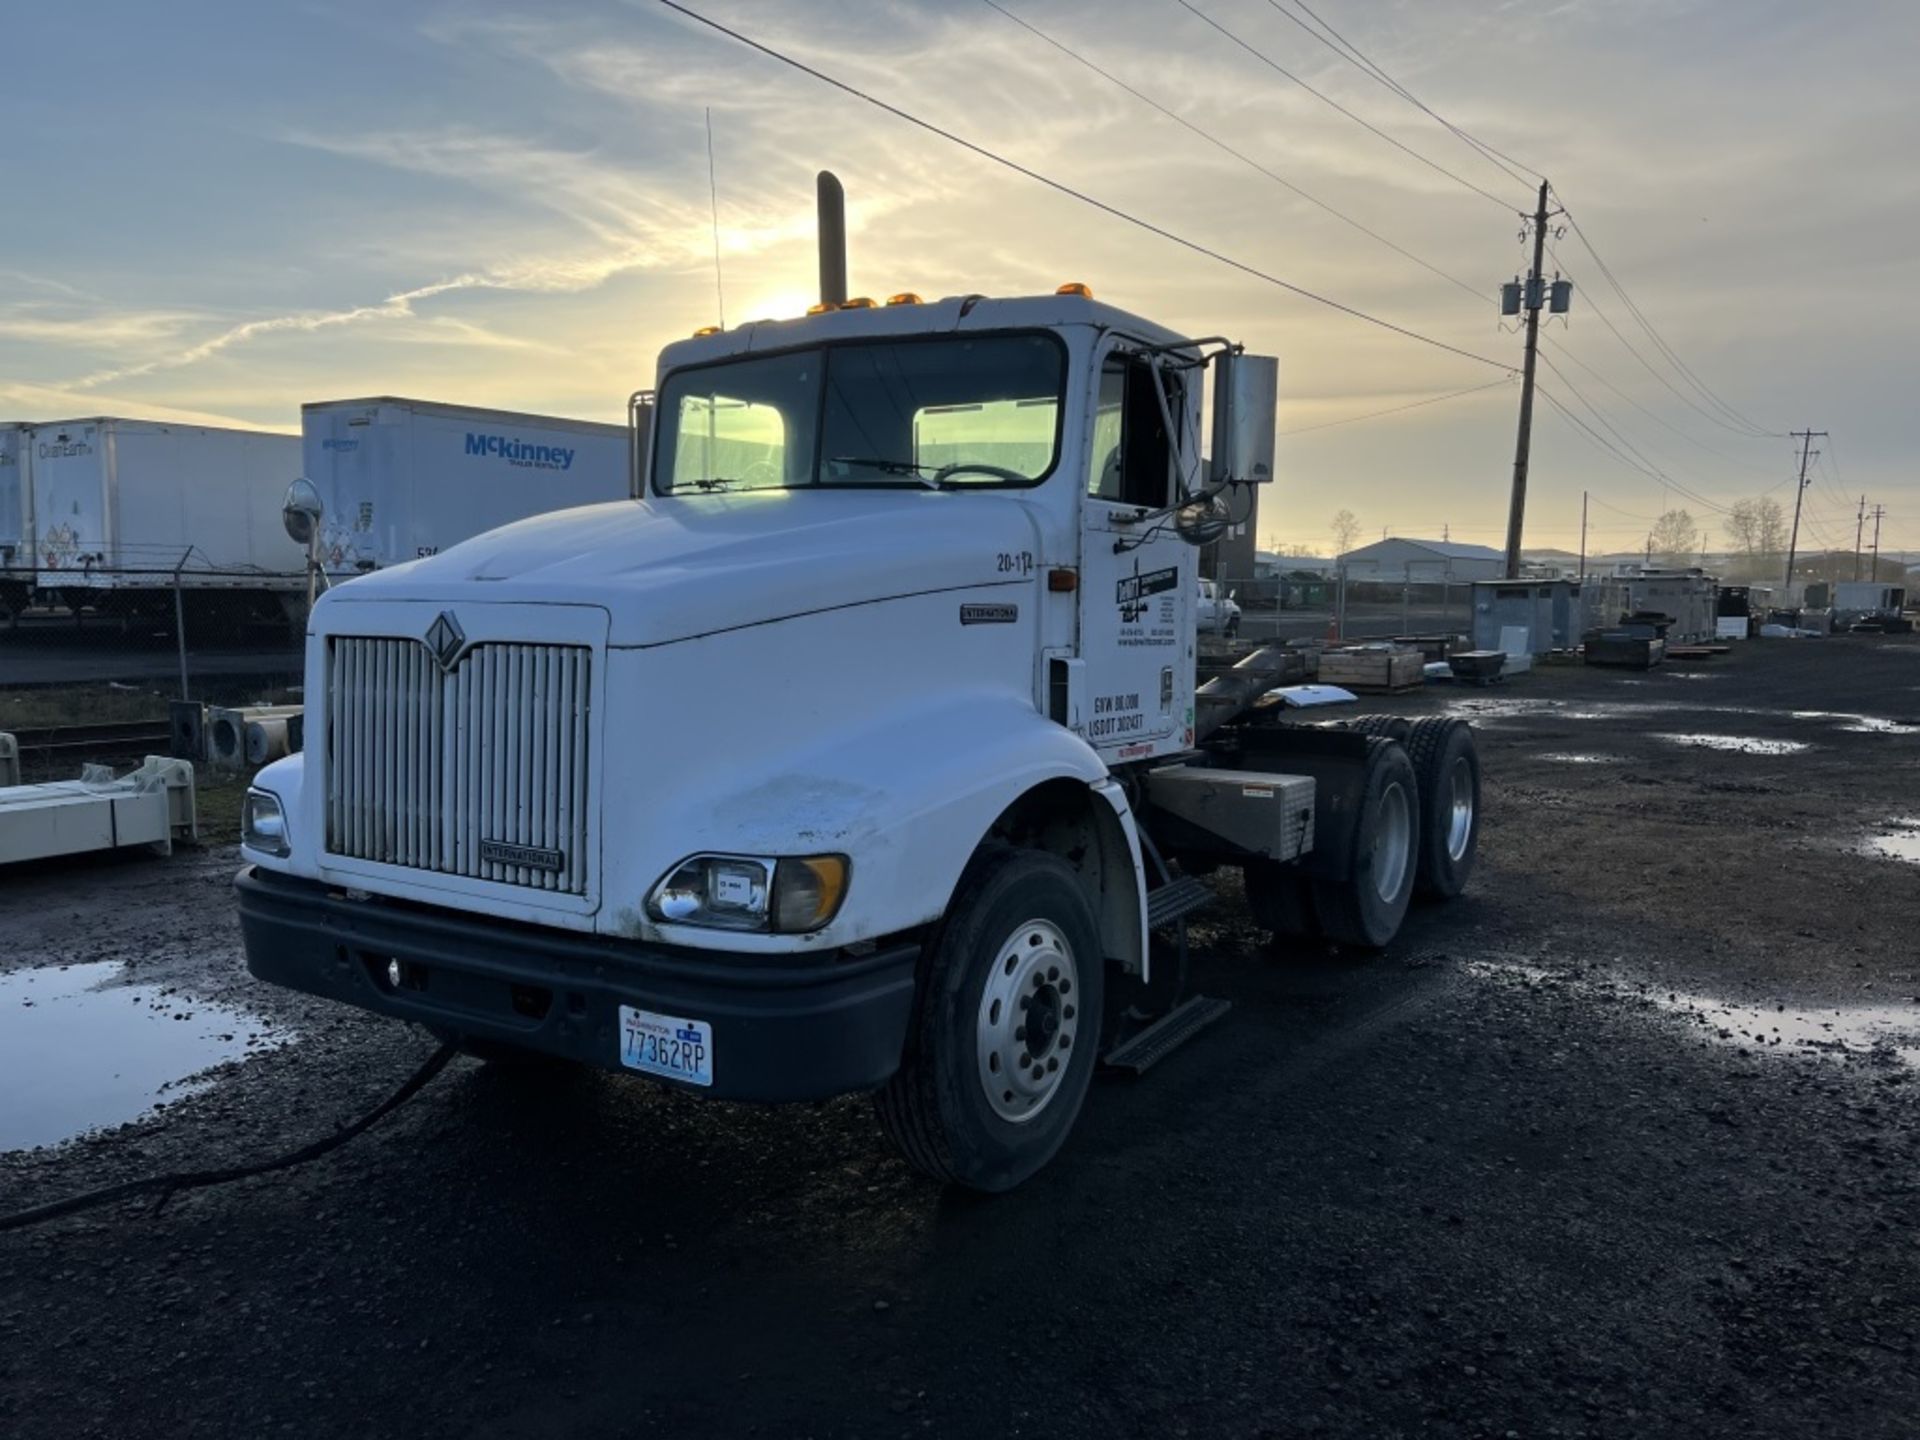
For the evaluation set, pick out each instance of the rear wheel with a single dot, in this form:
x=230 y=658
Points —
x=1365 y=909
x=1006 y=1025
x=1390 y=727
x=1446 y=767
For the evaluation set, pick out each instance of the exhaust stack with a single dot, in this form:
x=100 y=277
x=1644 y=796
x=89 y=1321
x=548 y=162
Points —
x=831 y=203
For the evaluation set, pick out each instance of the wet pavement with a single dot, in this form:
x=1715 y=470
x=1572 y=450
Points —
x=1622 y=1143
x=80 y=1049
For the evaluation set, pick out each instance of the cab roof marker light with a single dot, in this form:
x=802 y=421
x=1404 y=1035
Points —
x=821 y=307
x=706 y=330
x=858 y=302
x=905 y=297
x=1074 y=287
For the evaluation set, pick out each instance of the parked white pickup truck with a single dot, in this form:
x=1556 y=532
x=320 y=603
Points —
x=862 y=753
x=1216 y=610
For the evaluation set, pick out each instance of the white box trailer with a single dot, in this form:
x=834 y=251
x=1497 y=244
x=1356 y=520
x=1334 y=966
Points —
x=120 y=506
x=399 y=479
x=16 y=518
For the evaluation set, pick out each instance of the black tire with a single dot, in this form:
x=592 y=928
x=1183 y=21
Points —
x=1280 y=900
x=1391 y=727
x=1446 y=767
x=1364 y=910
x=936 y=1110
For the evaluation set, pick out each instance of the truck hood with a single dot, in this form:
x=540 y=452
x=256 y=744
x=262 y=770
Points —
x=670 y=569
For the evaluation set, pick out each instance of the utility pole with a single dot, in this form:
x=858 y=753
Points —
x=1806 y=439
x=1859 y=519
x=1517 y=507
x=1878 y=512
x=1583 y=536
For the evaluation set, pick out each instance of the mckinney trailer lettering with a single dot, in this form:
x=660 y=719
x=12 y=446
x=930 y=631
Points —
x=519 y=452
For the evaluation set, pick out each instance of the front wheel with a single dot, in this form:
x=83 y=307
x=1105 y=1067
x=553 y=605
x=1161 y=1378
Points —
x=1006 y=1025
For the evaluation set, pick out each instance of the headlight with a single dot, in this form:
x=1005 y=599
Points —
x=263 y=823
x=748 y=892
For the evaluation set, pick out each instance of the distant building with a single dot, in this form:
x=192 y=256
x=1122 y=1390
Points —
x=1430 y=561
x=1268 y=565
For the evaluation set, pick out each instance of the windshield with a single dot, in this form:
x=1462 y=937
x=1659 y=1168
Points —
x=981 y=411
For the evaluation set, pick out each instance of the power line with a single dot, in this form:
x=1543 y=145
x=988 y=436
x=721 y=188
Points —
x=1660 y=419
x=1620 y=455
x=1650 y=466
x=1395 y=409
x=1239 y=155
x=1658 y=340
x=1324 y=98
x=1652 y=370
x=1080 y=195
x=1352 y=53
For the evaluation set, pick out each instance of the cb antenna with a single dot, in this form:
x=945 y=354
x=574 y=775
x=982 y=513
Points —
x=713 y=190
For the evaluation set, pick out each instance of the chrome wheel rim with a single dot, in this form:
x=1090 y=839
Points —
x=1028 y=1022
x=1392 y=841
x=1460 y=814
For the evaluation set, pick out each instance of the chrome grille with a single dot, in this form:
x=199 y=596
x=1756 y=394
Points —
x=478 y=771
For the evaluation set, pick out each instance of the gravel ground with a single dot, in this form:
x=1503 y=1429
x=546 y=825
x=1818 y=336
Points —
x=1519 y=1176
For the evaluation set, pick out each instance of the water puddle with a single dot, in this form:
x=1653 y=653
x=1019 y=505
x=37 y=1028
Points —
x=1900 y=843
x=1844 y=1030
x=1892 y=1031
x=1738 y=744
x=1862 y=724
x=1577 y=758
x=79 y=1051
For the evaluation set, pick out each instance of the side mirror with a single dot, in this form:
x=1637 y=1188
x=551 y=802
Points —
x=1202 y=521
x=301 y=511
x=1246 y=395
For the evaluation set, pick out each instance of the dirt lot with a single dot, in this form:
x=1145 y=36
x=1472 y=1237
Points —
x=1523 y=1175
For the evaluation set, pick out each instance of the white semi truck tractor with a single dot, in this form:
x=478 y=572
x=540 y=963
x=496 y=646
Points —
x=861 y=752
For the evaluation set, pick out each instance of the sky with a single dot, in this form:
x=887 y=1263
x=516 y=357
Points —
x=220 y=211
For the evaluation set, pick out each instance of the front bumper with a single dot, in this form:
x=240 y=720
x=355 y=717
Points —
x=799 y=1029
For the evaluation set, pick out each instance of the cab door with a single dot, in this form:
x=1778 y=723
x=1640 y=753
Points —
x=1137 y=577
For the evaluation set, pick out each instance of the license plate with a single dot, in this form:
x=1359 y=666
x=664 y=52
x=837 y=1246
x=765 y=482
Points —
x=666 y=1045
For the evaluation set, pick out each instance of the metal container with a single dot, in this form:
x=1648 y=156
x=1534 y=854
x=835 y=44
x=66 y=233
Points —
x=1548 y=610
x=1682 y=602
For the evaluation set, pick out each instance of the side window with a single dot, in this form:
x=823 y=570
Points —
x=1132 y=459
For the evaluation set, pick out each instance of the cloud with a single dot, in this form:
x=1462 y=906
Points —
x=55 y=402
x=106 y=329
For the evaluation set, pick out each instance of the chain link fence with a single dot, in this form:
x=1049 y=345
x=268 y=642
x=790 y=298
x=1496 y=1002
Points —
x=87 y=671
x=1274 y=609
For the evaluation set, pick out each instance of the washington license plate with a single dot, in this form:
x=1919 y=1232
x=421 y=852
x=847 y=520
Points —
x=666 y=1045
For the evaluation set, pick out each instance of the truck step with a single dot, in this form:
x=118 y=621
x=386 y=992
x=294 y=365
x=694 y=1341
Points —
x=1167 y=1034
x=1175 y=899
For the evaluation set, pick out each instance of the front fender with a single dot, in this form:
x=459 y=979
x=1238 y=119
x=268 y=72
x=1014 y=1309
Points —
x=907 y=798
